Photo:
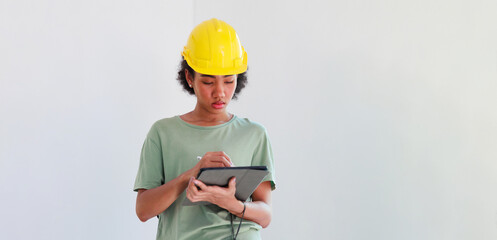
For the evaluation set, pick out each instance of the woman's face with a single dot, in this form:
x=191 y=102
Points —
x=214 y=92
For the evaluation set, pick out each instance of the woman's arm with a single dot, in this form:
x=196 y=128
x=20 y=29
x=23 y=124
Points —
x=151 y=202
x=258 y=211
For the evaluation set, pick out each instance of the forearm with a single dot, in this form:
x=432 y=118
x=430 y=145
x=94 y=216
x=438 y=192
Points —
x=152 y=202
x=257 y=211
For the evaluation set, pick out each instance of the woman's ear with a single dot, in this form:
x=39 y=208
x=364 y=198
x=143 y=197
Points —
x=189 y=78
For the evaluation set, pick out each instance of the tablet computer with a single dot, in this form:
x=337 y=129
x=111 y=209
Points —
x=247 y=180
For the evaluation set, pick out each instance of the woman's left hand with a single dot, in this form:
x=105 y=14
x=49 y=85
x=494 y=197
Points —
x=224 y=197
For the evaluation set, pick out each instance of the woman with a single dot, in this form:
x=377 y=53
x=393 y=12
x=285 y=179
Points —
x=214 y=70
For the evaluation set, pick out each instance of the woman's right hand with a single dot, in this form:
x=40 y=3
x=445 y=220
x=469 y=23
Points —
x=213 y=159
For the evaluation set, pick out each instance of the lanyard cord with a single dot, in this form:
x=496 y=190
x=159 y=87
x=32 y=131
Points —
x=239 y=225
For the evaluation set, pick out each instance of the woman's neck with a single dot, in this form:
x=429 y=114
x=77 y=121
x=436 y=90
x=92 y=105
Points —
x=200 y=118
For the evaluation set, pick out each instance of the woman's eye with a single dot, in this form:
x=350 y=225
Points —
x=229 y=82
x=207 y=83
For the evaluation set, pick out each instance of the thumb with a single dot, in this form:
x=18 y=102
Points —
x=232 y=183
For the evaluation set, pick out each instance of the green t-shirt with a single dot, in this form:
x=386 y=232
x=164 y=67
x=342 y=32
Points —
x=171 y=148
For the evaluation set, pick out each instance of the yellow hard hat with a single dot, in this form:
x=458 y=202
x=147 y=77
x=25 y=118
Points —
x=214 y=48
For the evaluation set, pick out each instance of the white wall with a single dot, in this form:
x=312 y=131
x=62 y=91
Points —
x=389 y=106
x=81 y=84
x=386 y=109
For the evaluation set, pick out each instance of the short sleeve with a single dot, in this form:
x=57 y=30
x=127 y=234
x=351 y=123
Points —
x=263 y=156
x=151 y=171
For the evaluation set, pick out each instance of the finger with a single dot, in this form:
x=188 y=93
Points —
x=192 y=193
x=232 y=183
x=225 y=161
x=191 y=197
x=224 y=155
x=192 y=186
x=200 y=184
x=227 y=158
x=189 y=194
x=204 y=157
x=220 y=160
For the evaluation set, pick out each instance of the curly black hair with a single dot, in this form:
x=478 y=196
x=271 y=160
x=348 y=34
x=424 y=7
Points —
x=241 y=79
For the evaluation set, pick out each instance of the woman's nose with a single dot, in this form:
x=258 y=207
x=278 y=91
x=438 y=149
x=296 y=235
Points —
x=219 y=91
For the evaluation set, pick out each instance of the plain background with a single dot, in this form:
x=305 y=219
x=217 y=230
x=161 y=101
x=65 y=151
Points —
x=382 y=114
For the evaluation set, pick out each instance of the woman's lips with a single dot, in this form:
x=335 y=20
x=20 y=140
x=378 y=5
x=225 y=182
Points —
x=218 y=105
